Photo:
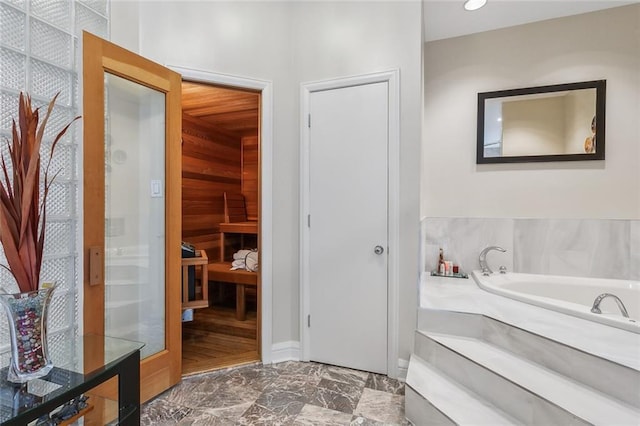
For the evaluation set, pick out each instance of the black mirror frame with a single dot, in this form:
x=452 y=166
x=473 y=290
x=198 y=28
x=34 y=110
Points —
x=599 y=85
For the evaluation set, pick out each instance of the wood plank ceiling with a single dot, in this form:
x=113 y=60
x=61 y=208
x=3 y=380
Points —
x=235 y=111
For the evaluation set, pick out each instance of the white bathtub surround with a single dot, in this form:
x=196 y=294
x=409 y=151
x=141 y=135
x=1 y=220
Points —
x=511 y=363
x=517 y=386
x=574 y=247
x=460 y=295
x=569 y=295
x=428 y=398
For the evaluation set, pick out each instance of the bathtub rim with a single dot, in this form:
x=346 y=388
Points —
x=572 y=309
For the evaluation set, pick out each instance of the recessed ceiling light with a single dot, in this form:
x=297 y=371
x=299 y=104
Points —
x=474 y=4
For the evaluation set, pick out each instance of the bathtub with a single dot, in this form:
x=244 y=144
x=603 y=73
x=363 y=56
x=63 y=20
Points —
x=569 y=295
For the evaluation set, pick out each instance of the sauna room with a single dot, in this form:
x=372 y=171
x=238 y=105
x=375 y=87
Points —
x=220 y=222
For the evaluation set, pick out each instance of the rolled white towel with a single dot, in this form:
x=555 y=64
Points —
x=238 y=264
x=241 y=254
x=246 y=260
x=251 y=261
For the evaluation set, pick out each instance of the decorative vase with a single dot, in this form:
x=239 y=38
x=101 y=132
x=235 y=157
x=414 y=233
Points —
x=27 y=315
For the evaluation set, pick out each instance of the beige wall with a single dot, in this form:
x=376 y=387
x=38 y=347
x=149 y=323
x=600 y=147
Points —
x=598 y=45
x=289 y=43
x=533 y=125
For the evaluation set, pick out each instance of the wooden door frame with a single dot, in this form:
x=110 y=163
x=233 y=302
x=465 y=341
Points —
x=265 y=298
x=391 y=77
x=163 y=369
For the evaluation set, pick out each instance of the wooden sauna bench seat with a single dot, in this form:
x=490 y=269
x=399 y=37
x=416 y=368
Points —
x=221 y=271
x=249 y=227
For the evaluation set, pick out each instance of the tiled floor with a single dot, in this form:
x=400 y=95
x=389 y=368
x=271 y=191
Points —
x=289 y=393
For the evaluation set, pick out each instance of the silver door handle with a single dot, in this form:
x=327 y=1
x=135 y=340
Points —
x=378 y=250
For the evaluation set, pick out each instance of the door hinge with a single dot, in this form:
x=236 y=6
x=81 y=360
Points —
x=309 y=120
x=309 y=320
x=308 y=221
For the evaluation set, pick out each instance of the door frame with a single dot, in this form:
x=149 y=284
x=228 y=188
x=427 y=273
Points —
x=266 y=198
x=392 y=78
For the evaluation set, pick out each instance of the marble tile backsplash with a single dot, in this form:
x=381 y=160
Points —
x=462 y=239
x=634 y=244
x=593 y=248
x=576 y=247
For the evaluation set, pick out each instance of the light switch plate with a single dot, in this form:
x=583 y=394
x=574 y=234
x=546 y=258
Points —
x=156 y=188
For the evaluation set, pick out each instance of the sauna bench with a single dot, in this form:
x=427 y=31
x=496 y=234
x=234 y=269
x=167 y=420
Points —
x=221 y=271
x=241 y=228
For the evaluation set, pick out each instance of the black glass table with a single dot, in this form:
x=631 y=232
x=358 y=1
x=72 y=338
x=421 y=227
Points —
x=94 y=360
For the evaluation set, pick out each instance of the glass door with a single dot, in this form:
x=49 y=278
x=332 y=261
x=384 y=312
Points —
x=134 y=213
x=132 y=201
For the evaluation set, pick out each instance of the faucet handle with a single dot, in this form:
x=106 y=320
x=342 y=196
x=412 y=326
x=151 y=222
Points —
x=503 y=269
x=486 y=272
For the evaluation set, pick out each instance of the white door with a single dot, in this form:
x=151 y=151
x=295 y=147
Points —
x=348 y=230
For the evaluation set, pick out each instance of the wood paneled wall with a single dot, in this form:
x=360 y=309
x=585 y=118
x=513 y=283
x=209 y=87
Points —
x=250 y=170
x=211 y=165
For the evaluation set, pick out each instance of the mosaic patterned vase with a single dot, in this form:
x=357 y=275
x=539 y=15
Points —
x=27 y=314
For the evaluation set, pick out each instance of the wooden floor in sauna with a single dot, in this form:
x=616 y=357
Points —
x=215 y=339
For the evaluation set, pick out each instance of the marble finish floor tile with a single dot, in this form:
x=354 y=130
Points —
x=339 y=396
x=384 y=383
x=293 y=388
x=345 y=375
x=289 y=393
x=215 y=417
x=161 y=412
x=362 y=421
x=254 y=377
x=381 y=406
x=295 y=368
x=312 y=415
x=282 y=414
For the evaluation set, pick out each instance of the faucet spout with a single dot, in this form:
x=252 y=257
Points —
x=596 y=304
x=483 y=258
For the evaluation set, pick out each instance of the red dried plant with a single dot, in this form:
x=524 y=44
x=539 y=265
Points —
x=22 y=213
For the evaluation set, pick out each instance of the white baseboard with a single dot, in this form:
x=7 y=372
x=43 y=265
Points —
x=285 y=351
x=403 y=367
x=290 y=351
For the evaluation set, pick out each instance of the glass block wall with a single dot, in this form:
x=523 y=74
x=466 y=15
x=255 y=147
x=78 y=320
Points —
x=40 y=53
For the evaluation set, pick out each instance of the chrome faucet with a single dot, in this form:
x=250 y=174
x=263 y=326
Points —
x=596 y=304
x=483 y=259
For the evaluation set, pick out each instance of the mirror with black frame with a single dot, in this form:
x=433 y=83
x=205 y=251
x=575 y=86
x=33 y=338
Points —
x=562 y=122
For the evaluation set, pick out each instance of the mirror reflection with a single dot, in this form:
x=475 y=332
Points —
x=550 y=123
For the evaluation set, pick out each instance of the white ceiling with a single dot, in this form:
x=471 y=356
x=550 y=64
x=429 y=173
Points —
x=447 y=18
